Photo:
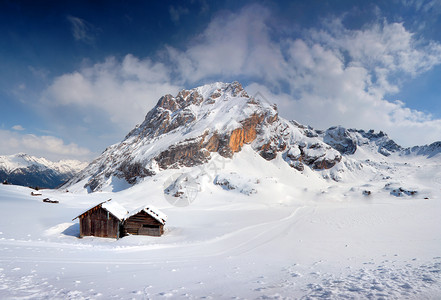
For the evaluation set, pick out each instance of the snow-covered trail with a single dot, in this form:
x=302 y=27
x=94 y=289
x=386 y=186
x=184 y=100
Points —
x=384 y=247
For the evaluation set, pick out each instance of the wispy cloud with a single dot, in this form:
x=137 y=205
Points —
x=82 y=30
x=176 y=12
x=432 y=6
x=39 y=73
x=47 y=146
x=18 y=128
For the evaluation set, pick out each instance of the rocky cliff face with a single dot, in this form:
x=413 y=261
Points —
x=341 y=139
x=427 y=150
x=186 y=129
x=346 y=141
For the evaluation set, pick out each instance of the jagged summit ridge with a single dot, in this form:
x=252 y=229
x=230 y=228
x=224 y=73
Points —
x=346 y=141
x=183 y=131
x=212 y=106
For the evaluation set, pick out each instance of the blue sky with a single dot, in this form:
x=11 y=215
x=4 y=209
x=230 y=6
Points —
x=77 y=76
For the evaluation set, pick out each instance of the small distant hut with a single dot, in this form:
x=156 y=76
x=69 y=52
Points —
x=146 y=220
x=103 y=220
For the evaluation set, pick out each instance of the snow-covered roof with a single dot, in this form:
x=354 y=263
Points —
x=113 y=207
x=152 y=211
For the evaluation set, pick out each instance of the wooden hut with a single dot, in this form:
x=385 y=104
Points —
x=146 y=220
x=103 y=220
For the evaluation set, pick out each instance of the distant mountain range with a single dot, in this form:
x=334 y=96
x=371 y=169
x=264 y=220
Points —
x=189 y=129
x=27 y=170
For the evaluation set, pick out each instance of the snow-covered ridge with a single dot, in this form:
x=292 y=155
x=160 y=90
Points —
x=347 y=141
x=24 y=169
x=21 y=160
x=431 y=150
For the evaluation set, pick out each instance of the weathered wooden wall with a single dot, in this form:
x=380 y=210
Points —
x=143 y=224
x=98 y=222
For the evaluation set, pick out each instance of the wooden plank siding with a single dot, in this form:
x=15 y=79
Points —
x=143 y=224
x=99 y=222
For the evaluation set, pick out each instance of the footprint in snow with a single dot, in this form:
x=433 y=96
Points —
x=167 y=295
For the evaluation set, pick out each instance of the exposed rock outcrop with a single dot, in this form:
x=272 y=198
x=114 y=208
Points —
x=340 y=139
x=131 y=171
x=427 y=150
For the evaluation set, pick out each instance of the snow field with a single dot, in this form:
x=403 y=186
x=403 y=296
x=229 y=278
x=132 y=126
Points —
x=298 y=237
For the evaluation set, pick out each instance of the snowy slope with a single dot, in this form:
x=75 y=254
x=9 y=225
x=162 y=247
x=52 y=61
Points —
x=27 y=170
x=300 y=236
x=257 y=208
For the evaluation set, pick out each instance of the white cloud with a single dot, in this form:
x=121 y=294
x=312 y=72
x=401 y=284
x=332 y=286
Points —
x=82 y=30
x=336 y=76
x=124 y=90
x=433 y=6
x=18 y=127
x=49 y=147
x=344 y=77
x=385 y=46
x=232 y=45
x=333 y=76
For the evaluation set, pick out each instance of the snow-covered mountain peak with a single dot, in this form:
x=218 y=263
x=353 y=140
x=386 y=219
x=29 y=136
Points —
x=202 y=96
x=217 y=89
x=23 y=160
x=220 y=106
x=24 y=169
x=183 y=131
x=220 y=119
